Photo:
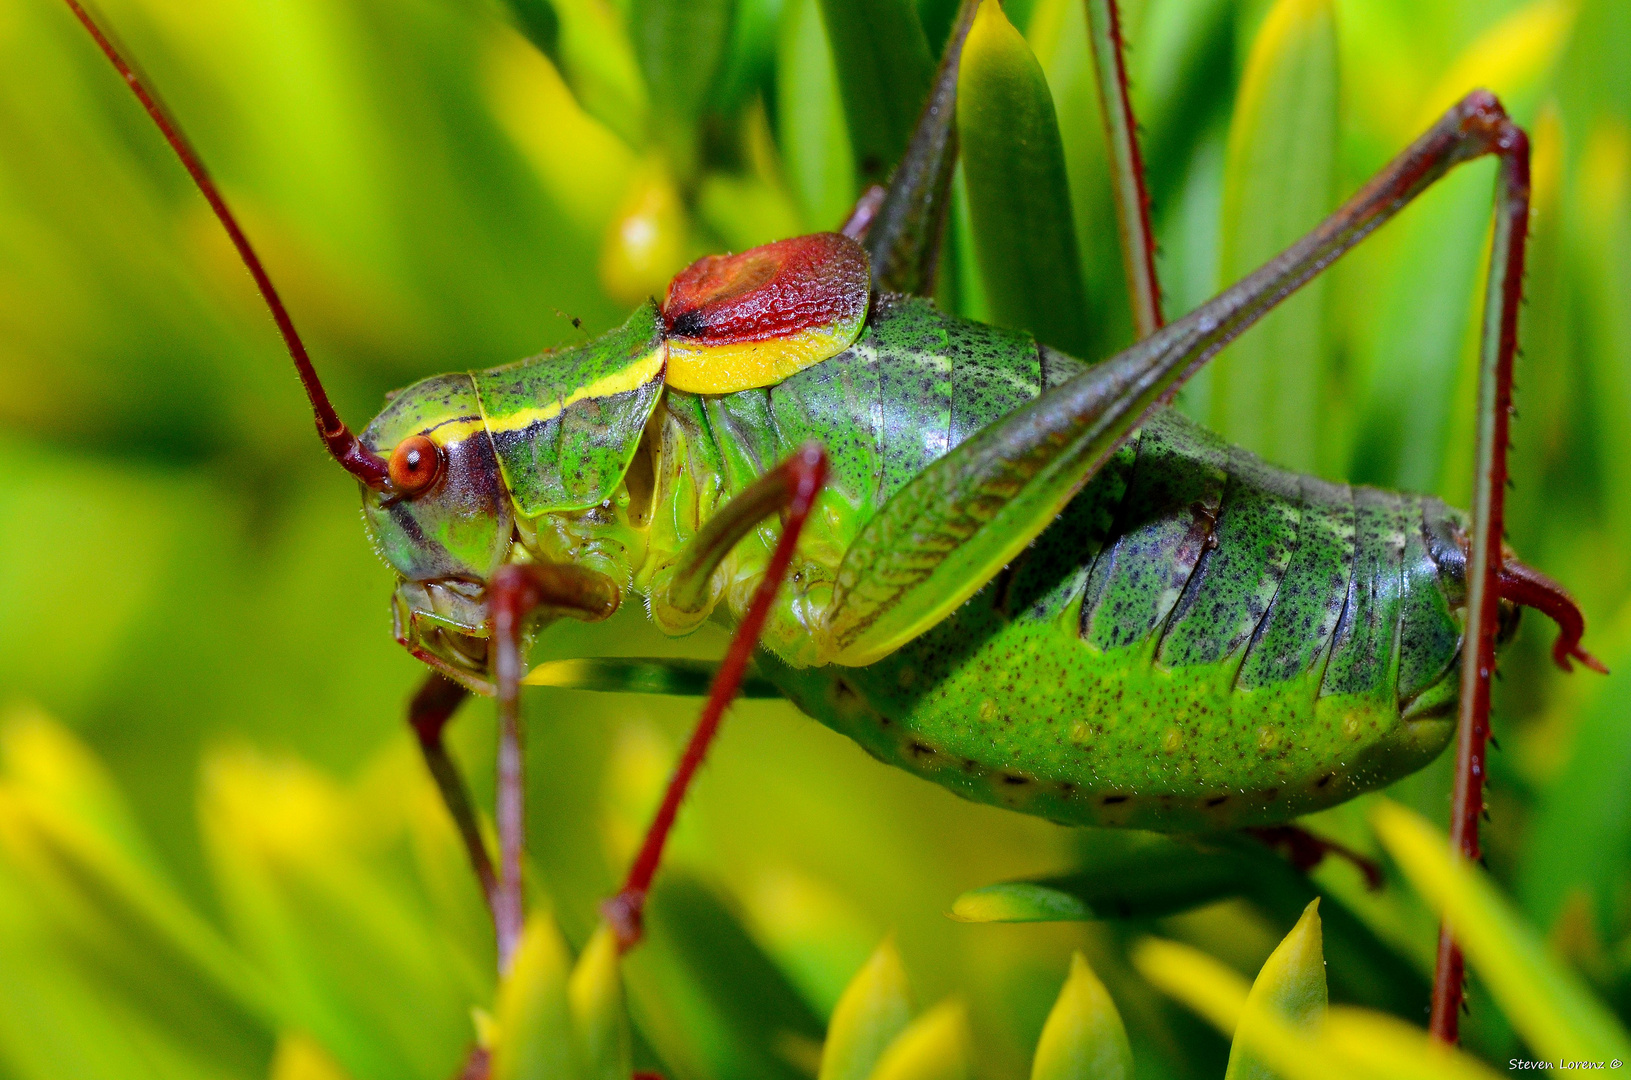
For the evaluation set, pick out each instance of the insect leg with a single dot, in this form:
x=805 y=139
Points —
x=904 y=233
x=1306 y=850
x=517 y=595
x=959 y=521
x=429 y=711
x=1127 y=166
x=792 y=487
x=1485 y=557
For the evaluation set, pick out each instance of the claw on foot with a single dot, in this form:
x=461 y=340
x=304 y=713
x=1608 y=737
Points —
x=624 y=913
x=1529 y=587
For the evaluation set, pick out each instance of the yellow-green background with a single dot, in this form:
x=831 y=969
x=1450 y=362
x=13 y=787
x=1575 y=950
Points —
x=218 y=856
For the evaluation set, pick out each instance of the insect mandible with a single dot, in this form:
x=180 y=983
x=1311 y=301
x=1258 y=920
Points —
x=993 y=565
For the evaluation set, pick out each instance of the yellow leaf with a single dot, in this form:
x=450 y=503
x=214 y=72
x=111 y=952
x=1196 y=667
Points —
x=1290 y=986
x=595 y=994
x=583 y=166
x=1083 y=1038
x=300 y=1057
x=1545 y=1001
x=934 y=1047
x=535 y=1040
x=874 y=1009
x=1509 y=57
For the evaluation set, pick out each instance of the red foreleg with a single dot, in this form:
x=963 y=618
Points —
x=804 y=475
x=517 y=595
x=432 y=707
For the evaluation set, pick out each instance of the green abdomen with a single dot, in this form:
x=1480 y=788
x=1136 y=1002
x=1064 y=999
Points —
x=1200 y=642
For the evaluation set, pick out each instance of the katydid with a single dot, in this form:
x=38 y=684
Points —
x=999 y=567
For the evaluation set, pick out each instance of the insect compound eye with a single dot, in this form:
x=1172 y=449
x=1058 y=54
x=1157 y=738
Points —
x=415 y=464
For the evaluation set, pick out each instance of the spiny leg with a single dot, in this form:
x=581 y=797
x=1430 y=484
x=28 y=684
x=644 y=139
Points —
x=959 y=521
x=429 y=711
x=904 y=229
x=791 y=487
x=1126 y=166
x=1484 y=557
x=518 y=594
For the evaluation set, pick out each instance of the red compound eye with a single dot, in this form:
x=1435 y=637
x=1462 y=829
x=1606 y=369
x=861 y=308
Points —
x=415 y=464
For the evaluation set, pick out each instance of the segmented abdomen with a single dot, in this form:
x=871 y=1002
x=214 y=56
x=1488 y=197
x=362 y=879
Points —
x=1214 y=557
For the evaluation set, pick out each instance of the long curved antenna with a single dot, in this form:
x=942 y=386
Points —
x=355 y=458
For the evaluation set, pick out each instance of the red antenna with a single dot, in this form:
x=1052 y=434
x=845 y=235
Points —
x=355 y=458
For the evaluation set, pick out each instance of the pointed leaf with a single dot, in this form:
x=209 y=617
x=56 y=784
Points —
x=814 y=140
x=874 y=1009
x=535 y=1037
x=595 y=993
x=705 y=996
x=1278 y=183
x=1019 y=196
x=884 y=71
x=1084 y=1038
x=681 y=45
x=1545 y=1001
x=671 y=675
x=934 y=1047
x=1291 y=985
x=598 y=60
x=1352 y=1045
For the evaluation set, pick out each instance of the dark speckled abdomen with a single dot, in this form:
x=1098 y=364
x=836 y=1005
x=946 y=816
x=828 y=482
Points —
x=1201 y=641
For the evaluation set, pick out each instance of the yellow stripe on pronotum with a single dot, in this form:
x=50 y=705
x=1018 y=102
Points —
x=632 y=377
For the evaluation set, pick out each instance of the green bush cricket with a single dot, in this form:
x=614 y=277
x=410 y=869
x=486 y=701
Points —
x=991 y=564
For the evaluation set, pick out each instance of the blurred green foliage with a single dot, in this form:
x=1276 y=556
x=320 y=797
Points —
x=218 y=855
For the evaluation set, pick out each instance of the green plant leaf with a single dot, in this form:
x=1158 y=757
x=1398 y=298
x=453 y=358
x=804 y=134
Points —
x=1058 y=34
x=69 y=840
x=814 y=140
x=1547 y=1003
x=597 y=58
x=535 y=1036
x=1581 y=830
x=599 y=1017
x=1291 y=985
x=1018 y=193
x=935 y=1046
x=1124 y=874
x=884 y=72
x=1279 y=180
x=352 y=951
x=706 y=998
x=681 y=45
x=1083 y=1038
x=874 y=1009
